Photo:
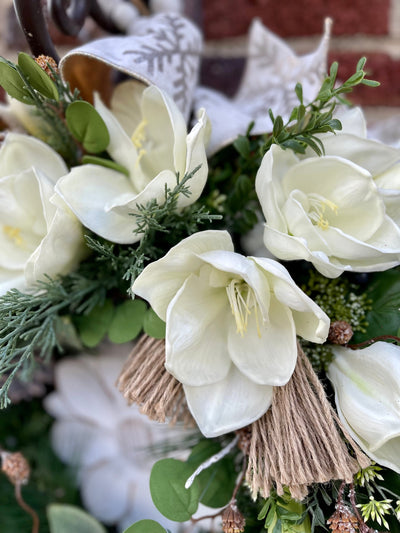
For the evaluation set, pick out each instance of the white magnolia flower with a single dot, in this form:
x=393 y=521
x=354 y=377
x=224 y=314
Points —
x=38 y=234
x=327 y=210
x=107 y=441
x=367 y=387
x=148 y=137
x=231 y=325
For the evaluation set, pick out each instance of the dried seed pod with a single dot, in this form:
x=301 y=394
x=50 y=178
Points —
x=340 y=332
x=232 y=519
x=45 y=62
x=16 y=467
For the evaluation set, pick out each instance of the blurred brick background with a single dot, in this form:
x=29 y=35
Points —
x=360 y=27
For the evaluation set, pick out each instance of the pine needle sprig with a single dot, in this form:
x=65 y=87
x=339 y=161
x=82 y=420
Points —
x=28 y=322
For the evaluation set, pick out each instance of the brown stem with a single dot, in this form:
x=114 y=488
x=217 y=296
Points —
x=240 y=480
x=374 y=339
x=27 y=508
x=210 y=516
x=354 y=504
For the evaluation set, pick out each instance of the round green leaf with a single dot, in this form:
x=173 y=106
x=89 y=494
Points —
x=153 y=325
x=127 y=321
x=13 y=84
x=145 y=526
x=94 y=326
x=87 y=126
x=167 y=487
x=37 y=77
x=218 y=481
x=67 y=518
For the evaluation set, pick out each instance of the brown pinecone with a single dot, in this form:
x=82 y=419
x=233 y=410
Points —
x=232 y=519
x=343 y=520
x=340 y=332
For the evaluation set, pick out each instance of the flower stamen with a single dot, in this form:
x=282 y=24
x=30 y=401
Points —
x=318 y=206
x=139 y=135
x=14 y=234
x=139 y=138
x=242 y=300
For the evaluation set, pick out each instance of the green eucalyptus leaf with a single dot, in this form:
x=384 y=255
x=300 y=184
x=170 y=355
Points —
x=67 y=518
x=333 y=72
x=95 y=160
x=145 y=526
x=278 y=126
x=37 y=77
x=370 y=83
x=153 y=326
x=361 y=63
x=87 y=126
x=93 y=326
x=218 y=481
x=127 y=321
x=13 y=84
x=299 y=92
x=167 y=487
x=384 y=316
x=242 y=145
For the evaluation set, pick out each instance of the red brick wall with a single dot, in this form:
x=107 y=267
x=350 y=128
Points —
x=361 y=27
x=293 y=18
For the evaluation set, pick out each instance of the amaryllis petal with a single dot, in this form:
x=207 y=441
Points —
x=96 y=186
x=161 y=280
x=195 y=349
x=77 y=442
x=229 y=404
x=20 y=151
x=105 y=491
x=125 y=104
x=166 y=128
x=311 y=322
x=367 y=387
x=267 y=353
x=121 y=147
x=374 y=156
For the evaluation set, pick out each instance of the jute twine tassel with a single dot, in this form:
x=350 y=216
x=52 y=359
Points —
x=145 y=381
x=298 y=442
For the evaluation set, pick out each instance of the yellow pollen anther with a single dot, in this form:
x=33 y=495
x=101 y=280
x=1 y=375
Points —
x=242 y=301
x=318 y=205
x=139 y=135
x=14 y=234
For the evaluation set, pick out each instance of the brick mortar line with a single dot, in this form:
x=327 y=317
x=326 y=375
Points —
x=237 y=46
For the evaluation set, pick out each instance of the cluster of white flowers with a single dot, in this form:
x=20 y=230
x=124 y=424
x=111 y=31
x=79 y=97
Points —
x=44 y=206
x=231 y=321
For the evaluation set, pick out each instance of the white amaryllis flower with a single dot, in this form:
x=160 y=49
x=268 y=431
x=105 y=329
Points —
x=380 y=160
x=108 y=442
x=148 y=137
x=231 y=325
x=327 y=210
x=39 y=235
x=367 y=387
